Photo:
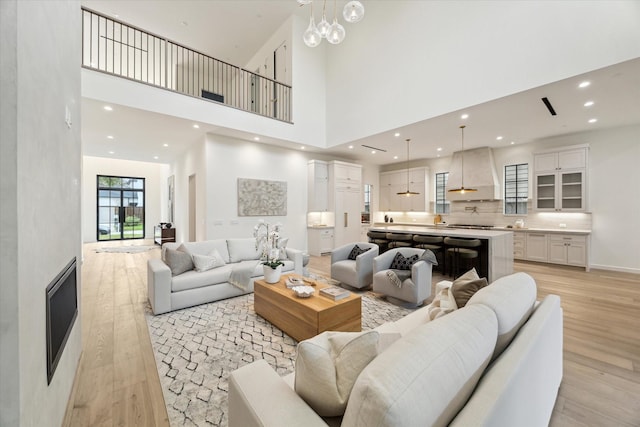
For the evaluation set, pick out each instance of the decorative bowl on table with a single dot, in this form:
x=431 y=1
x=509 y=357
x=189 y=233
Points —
x=303 y=291
x=292 y=282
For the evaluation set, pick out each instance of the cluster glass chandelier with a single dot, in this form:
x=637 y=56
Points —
x=334 y=33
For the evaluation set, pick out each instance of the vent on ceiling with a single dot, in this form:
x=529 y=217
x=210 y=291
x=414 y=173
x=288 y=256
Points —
x=374 y=148
x=549 y=106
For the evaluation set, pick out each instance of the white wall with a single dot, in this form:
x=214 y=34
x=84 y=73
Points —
x=40 y=190
x=408 y=61
x=155 y=175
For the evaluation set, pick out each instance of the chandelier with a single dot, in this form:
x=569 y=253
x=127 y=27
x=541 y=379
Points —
x=407 y=193
x=334 y=33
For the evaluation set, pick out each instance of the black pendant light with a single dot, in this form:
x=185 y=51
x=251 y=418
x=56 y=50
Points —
x=407 y=193
x=462 y=190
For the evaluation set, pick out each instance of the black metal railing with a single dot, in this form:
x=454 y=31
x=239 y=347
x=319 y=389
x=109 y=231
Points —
x=116 y=48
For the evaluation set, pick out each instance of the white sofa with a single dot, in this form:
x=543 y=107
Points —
x=495 y=362
x=168 y=293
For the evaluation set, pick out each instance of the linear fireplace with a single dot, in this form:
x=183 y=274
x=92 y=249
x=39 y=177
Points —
x=62 y=310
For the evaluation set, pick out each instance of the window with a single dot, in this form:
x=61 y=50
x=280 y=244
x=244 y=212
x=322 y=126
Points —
x=442 y=206
x=366 y=213
x=120 y=208
x=516 y=189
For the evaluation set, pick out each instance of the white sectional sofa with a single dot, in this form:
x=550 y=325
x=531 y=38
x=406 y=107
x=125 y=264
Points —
x=168 y=293
x=495 y=362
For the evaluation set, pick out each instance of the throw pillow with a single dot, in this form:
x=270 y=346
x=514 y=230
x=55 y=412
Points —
x=401 y=263
x=328 y=365
x=429 y=257
x=208 y=262
x=282 y=248
x=178 y=261
x=357 y=250
x=465 y=286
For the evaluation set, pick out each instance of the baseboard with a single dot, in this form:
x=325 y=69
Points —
x=616 y=268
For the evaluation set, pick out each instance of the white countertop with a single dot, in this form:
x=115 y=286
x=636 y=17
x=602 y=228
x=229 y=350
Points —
x=429 y=227
x=441 y=230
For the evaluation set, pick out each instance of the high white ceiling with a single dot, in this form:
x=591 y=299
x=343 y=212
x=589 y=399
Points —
x=519 y=118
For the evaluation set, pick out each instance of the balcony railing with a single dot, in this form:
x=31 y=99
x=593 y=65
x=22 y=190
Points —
x=116 y=48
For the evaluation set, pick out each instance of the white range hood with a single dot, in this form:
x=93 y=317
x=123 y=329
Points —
x=479 y=173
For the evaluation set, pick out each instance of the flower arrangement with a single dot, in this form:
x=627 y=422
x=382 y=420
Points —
x=267 y=236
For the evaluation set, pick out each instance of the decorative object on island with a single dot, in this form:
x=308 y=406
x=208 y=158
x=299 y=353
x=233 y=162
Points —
x=462 y=190
x=407 y=193
x=267 y=238
x=257 y=197
x=334 y=33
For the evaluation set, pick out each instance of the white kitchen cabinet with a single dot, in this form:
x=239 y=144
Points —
x=392 y=183
x=320 y=240
x=519 y=245
x=567 y=249
x=317 y=186
x=348 y=205
x=560 y=181
x=536 y=249
x=347 y=173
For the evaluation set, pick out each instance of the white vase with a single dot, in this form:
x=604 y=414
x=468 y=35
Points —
x=272 y=275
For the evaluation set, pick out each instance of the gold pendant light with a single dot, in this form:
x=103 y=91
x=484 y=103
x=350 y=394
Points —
x=407 y=193
x=462 y=190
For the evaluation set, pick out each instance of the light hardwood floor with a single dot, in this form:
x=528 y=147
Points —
x=117 y=383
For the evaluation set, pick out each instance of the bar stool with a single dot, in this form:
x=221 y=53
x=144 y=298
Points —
x=379 y=238
x=433 y=243
x=461 y=249
x=399 y=240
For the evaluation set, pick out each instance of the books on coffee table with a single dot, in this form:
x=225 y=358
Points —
x=334 y=292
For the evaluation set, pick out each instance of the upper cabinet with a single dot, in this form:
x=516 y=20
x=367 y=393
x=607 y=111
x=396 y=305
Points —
x=392 y=183
x=317 y=186
x=560 y=180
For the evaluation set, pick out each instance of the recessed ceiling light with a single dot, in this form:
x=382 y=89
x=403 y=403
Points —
x=155 y=157
x=165 y=145
x=593 y=120
x=397 y=134
x=109 y=136
x=588 y=103
x=111 y=152
x=302 y=148
x=351 y=147
x=373 y=151
x=512 y=142
x=439 y=149
x=395 y=157
x=464 y=116
x=584 y=84
x=499 y=138
x=256 y=138
x=196 y=126
x=108 y=108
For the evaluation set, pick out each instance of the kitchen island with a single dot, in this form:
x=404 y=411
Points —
x=497 y=245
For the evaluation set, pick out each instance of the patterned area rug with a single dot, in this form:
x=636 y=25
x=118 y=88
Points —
x=198 y=347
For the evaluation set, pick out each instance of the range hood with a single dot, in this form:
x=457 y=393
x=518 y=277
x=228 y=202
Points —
x=479 y=173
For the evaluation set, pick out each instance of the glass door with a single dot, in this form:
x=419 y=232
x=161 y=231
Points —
x=120 y=210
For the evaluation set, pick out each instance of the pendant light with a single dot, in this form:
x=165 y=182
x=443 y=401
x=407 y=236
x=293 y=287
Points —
x=462 y=190
x=311 y=36
x=407 y=193
x=336 y=32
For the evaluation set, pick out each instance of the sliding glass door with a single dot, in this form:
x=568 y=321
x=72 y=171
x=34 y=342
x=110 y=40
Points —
x=120 y=210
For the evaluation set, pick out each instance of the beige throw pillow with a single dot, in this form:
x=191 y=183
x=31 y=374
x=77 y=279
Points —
x=328 y=365
x=208 y=262
x=465 y=286
x=178 y=261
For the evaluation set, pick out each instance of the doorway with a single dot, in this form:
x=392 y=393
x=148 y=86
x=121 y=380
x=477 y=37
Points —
x=192 y=208
x=120 y=208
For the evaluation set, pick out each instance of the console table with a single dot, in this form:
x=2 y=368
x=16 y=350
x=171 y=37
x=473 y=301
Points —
x=163 y=235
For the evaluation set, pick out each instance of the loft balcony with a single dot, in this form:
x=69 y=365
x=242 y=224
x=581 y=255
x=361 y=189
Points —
x=119 y=49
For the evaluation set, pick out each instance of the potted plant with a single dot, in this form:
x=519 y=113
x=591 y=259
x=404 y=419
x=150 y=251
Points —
x=267 y=236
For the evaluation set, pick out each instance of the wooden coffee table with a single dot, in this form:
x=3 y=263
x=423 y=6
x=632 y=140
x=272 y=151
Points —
x=303 y=318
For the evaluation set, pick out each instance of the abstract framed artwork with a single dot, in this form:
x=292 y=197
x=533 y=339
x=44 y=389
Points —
x=257 y=197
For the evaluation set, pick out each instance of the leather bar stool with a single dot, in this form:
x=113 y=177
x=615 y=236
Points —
x=433 y=243
x=379 y=238
x=459 y=250
x=399 y=240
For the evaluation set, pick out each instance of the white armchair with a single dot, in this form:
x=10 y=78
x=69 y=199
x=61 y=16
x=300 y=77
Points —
x=356 y=273
x=414 y=289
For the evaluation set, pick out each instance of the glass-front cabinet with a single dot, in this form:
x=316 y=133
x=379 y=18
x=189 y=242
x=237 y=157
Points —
x=560 y=185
